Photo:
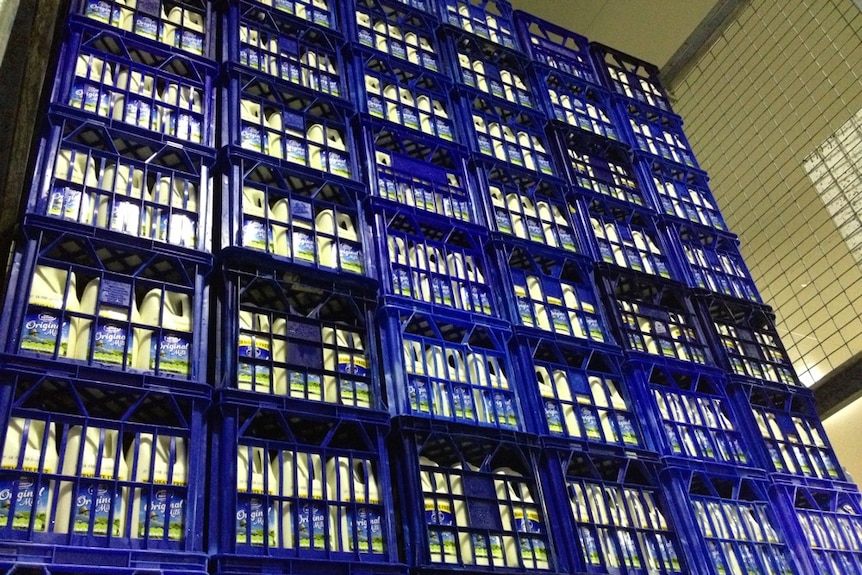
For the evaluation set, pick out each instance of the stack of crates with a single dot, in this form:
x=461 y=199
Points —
x=104 y=381
x=299 y=472
x=473 y=307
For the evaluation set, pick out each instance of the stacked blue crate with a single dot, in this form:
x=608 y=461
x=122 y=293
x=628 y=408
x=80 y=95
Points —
x=298 y=461
x=105 y=325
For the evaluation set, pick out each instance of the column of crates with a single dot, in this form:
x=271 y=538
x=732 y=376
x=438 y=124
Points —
x=299 y=472
x=103 y=374
x=467 y=472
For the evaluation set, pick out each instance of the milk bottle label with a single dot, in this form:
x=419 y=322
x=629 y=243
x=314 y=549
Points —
x=528 y=521
x=397 y=50
x=366 y=37
x=172 y=353
x=591 y=424
x=110 y=343
x=375 y=106
x=258 y=348
x=552 y=415
x=444 y=130
x=99 y=10
x=351 y=258
x=146 y=26
x=286 y=5
x=369 y=531
x=560 y=320
x=252 y=518
x=501 y=216
x=19 y=500
x=255 y=235
x=165 y=510
x=429 y=62
x=191 y=42
x=41 y=330
x=320 y=18
x=89 y=98
x=440 y=542
x=419 y=397
x=65 y=203
x=544 y=164
x=496 y=89
x=94 y=503
x=251 y=139
x=627 y=429
x=535 y=231
x=312 y=521
x=484 y=549
x=485 y=145
x=462 y=403
x=409 y=117
x=304 y=246
x=306 y=386
x=338 y=164
x=588 y=544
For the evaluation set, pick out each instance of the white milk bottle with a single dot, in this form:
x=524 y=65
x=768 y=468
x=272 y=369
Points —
x=303 y=477
x=68 y=203
x=158 y=509
x=280 y=377
x=520 y=515
x=274 y=131
x=91 y=507
x=251 y=134
x=279 y=220
x=337 y=254
x=255 y=231
x=171 y=347
x=344 y=354
x=133 y=103
x=255 y=516
x=46 y=325
x=108 y=340
x=441 y=509
x=182 y=196
x=358 y=526
x=255 y=343
x=27 y=447
x=91 y=96
x=125 y=214
x=534 y=287
x=123 y=15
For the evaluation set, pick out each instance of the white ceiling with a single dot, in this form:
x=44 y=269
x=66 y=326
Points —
x=651 y=30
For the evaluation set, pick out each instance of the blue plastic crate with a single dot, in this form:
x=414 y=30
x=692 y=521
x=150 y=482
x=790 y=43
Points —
x=633 y=239
x=827 y=524
x=692 y=412
x=505 y=134
x=99 y=181
x=99 y=475
x=746 y=340
x=418 y=174
x=285 y=216
x=404 y=95
x=529 y=209
x=487 y=19
x=293 y=487
x=474 y=502
x=576 y=104
x=128 y=84
x=83 y=302
x=655 y=134
x=654 y=319
x=788 y=431
x=714 y=262
x=397 y=30
x=600 y=167
x=490 y=69
x=613 y=515
x=436 y=265
x=321 y=13
x=556 y=47
x=733 y=524
x=186 y=25
x=270 y=42
x=285 y=338
x=554 y=295
x=442 y=369
x=308 y=134
x=580 y=395
x=630 y=77
x=680 y=192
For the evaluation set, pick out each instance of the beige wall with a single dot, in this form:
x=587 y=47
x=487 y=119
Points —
x=843 y=430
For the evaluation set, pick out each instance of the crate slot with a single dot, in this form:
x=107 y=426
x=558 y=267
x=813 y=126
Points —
x=487 y=19
x=298 y=341
x=419 y=174
x=109 y=180
x=657 y=319
x=682 y=192
x=630 y=77
x=299 y=487
x=746 y=337
x=435 y=263
x=630 y=239
x=180 y=24
x=531 y=209
x=396 y=29
x=619 y=517
x=272 y=44
x=578 y=104
x=302 y=219
x=715 y=264
x=302 y=131
x=656 y=134
x=319 y=12
x=582 y=394
x=130 y=84
x=109 y=306
x=404 y=96
x=450 y=370
x=474 y=501
x=553 y=294
x=97 y=466
x=556 y=47
x=488 y=68
x=508 y=136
